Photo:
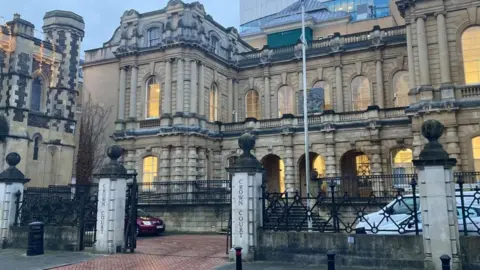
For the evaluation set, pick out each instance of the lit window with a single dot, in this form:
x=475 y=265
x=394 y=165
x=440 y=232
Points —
x=319 y=166
x=363 y=165
x=153 y=37
x=476 y=153
x=402 y=162
x=36 y=96
x=153 y=99
x=471 y=54
x=36 y=145
x=327 y=94
x=360 y=93
x=400 y=89
x=252 y=104
x=213 y=112
x=286 y=97
x=149 y=171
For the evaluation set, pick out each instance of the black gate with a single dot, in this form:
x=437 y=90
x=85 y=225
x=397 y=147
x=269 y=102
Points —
x=87 y=196
x=131 y=215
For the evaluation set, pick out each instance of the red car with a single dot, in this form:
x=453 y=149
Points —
x=147 y=224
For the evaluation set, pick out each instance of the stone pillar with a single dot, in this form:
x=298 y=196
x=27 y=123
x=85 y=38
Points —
x=443 y=49
x=133 y=93
x=437 y=198
x=167 y=104
x=12 y=181
x=330 y=160
x=121 y=95
x=179 y=97
x=235 y=100
x=411 y=67
x=289 y=163
x=165 y=164
x=193 y=87
x=230 y=100
x=339 y=88
x=246 y=207
x=424 y=66
x=201 y=88
x=202 y=164
x=267 y=114
x=112 y=190
x=192 y=163
x=379 y=75
x=177 y=173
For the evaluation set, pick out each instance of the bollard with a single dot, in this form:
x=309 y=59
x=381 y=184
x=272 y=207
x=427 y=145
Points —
x=35 y=239
x=238 y=254
x=445 y=262
x=331 y=260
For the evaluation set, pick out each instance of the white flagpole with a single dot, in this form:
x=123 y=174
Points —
x=305 y=116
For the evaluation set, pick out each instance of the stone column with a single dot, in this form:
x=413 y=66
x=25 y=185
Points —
x=193 y=87
x=177 y=173
x=423 y=52
x=235 y=100
x=133 y=93
x=267 y=114
x=112 y=190
x=437 y=199
x=339 y=88
x=247 y=211
x=167 y=104
x=179 y=97
x=201 y=88
x=443 y=49
x=121 y=95
x=12 y=181
x=202 y=164
x=379 y=75
x=330 y=160
x=230 y=100
x=165 y=164
x=289 y=162
x=411 y=67
x=192 y=163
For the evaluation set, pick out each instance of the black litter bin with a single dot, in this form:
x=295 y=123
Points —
x=35 y=239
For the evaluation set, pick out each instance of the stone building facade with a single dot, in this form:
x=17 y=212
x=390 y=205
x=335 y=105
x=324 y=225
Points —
x=185 y=88
x=38 y=91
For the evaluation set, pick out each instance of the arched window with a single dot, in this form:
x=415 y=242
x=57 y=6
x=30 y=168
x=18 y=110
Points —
x=36 y=96
x=153 y=36
x=152 y=101
x=213 y=109
x=360 y=93
x=150 y=167
x=363 y=165
x=327 y=94
x=286 y=98
x=400 y=89
x=476 y=153
x=471 y=54
x=252 y=104
x=402 y=161
x=36 y=146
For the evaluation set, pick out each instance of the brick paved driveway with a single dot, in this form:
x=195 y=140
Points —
x=178 y=252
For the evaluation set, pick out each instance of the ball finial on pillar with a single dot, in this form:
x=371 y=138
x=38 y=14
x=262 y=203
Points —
x=114 y=152
x=13 y=159
x=432 y=130
x=246 y=142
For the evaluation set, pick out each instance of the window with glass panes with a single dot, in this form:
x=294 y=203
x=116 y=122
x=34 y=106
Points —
x=360 y=93
x=150 y=164
x=153 y=37
x=476 y=153
x=252 y=104
x=152 y=100
x=213 y=112
x=286 y=98
x=471 y=54
x=401 y=89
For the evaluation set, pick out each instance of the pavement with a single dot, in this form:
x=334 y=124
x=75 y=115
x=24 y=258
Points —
x=16 y=259
x=283 y=266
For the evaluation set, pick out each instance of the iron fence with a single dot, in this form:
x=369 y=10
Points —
x=185 y=192
x=468 y=205
x=363 y=187
x=344 y=213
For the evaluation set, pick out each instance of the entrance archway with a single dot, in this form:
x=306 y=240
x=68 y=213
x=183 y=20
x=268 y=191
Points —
x=317 y=163
x=355 y=167
x=274 y=173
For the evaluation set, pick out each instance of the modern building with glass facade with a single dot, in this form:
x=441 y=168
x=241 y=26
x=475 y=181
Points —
x=185 y=87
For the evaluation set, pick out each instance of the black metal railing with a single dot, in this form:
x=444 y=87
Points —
x=185 y=192
x=345 y=213
x=468 y=204
x=363 y=187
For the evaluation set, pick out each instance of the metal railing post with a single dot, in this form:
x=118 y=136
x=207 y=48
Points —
x=238 y=255
x=462 y=202
x=18 y=194
x=334 y=210
x=445 y=262
x=415 y=214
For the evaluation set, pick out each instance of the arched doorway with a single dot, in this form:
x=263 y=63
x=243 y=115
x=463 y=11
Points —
x=356 y=168
x=317 y=163
x=274 y=173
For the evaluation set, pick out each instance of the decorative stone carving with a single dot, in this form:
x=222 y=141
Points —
x=335 y=43
x=316 y=100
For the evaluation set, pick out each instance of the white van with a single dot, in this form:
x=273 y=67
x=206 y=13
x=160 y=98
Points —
x=396 y=218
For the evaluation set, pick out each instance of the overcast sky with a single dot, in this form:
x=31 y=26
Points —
x=102 y=17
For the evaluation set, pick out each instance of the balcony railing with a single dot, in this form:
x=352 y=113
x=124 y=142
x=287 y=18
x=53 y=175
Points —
x=469 y=91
